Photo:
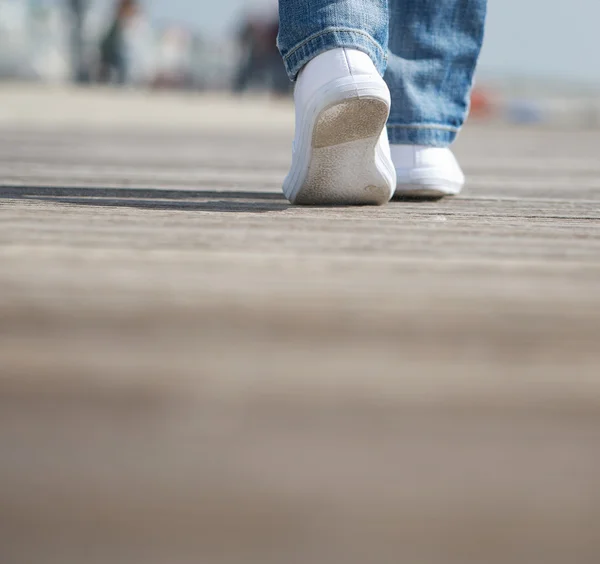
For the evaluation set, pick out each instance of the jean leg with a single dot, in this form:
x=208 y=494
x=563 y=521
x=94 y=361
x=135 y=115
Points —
x=310 y=27
x=434 y=46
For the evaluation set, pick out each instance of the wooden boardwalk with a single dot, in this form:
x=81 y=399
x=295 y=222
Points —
x=193 y=371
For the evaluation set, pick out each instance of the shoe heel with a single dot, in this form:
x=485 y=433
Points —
x=350 y=120
x=344 y=165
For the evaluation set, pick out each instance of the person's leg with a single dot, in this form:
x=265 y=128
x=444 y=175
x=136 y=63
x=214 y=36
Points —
x=307 y=28
x=280 y=85
x=434 y=47
x=122 y=67
x=77 y=17
x=243 y=75
x=337 y=51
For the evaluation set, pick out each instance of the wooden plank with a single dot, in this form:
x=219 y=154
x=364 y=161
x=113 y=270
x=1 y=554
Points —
x=193 y=371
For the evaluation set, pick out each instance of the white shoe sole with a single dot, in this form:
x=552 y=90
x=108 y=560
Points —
x=339 y=160
x=427 y=192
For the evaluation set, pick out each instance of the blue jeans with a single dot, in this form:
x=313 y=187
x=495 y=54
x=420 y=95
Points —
x=426 y=50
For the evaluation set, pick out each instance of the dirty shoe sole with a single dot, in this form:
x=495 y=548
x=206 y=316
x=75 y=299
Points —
x=341 y=160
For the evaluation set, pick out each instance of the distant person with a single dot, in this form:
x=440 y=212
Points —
x=113 y=58
x=250 y=68
x=277 y=76
x=261 y=62
x=337 y=51
x=80 y=72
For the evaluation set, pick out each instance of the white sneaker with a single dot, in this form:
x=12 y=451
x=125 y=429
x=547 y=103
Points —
x=426 y=172
x=341 y=152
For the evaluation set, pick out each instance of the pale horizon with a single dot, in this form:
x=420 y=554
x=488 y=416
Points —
x=523 y=37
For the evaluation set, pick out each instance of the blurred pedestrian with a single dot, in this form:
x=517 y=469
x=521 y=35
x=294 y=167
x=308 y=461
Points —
x=250 y=69
x=260 y=62
x=80 y=71
x=337 y=52
x=277 y=77
x=113 y=57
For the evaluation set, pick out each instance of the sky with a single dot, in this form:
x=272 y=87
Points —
x=542 y=38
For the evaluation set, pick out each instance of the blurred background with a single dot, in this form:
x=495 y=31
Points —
x=538 y=63
x=193 y=371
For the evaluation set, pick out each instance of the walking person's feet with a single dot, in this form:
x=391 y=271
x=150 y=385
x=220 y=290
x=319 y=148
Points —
x=426 y=172
x=341 y=152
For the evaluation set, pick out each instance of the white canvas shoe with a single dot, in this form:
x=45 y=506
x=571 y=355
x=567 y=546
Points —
x=426 y=172
x=341 y=152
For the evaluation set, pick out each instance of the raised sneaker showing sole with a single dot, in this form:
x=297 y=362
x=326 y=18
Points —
x=341 y=154
x=427 y=173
